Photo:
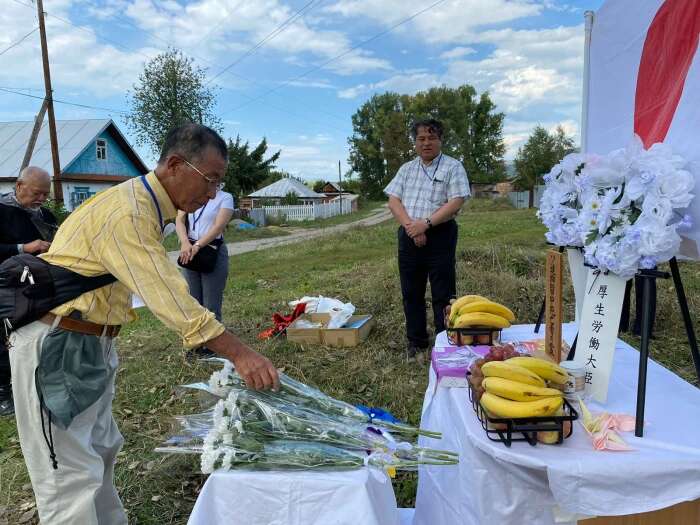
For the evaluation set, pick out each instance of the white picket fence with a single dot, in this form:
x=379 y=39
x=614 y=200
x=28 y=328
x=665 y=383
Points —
x=309 y=212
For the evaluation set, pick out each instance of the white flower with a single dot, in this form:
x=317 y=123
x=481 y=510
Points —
x=656 y=239
x=676 y=187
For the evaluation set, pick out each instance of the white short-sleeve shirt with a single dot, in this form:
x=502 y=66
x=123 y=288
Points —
x=424 y=189
x=201 y=221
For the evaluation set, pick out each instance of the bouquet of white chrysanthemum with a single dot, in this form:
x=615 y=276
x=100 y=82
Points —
x=253 y=427
x=297 y=393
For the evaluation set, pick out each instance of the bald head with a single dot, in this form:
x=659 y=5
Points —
x=33 y=187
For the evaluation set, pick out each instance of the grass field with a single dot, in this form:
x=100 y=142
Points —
x=500 y=255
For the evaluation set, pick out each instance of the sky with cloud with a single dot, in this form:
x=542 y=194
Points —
x=294 y=71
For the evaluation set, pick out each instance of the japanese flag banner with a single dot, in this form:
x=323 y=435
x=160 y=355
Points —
x=644 y=78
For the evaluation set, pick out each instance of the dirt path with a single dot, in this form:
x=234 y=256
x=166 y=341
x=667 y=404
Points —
x=300 y=234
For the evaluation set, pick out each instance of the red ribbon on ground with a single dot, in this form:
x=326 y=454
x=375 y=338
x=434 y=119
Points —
x=282 y=322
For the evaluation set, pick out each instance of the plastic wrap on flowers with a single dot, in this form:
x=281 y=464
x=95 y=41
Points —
x=257 y=429
x=223 y=381
x=624 y=208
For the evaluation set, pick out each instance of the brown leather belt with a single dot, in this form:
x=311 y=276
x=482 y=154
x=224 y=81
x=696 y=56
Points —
x=82 y=327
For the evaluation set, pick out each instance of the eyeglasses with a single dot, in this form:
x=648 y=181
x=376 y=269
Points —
x=210 y=181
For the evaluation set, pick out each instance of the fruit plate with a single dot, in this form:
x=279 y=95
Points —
x=473 y=336
x=508 y=430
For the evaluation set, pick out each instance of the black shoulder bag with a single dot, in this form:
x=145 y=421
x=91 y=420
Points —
x=30 y=288
x=205 y=259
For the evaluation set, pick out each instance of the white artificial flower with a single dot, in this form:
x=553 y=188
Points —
x=622 y=207
x=677 y=187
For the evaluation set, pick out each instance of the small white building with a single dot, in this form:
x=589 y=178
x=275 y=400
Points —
x=275 y=192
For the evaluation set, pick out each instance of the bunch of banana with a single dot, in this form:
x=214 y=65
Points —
x=545 y=369
x=459 y=303
x=474 y=310
x=516 y=391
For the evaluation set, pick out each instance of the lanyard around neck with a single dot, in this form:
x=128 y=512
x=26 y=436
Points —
x=155 y=201
x=195 y=220
x=437 y=165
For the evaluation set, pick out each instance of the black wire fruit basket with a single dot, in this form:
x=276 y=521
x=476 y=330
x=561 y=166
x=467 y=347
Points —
x=509 y=430
x=472 y=336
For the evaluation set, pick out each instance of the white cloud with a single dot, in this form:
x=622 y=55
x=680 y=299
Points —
x=457 y=52
x=223 y=30
x=311 y=159
x=529 y=73
x=453 y=21
x=309 y=83
x=516 y=132
x=409 y=83
x=79 y=59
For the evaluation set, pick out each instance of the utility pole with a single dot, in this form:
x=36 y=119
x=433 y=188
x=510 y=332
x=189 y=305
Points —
x=38 y=121
x=340 y=188
x=57 y=189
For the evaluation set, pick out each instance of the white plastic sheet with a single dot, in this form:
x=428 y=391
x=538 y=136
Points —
x=244 y=497
x=540 y=485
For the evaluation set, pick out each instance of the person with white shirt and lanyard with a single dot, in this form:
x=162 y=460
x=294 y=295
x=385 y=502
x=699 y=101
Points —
x=425 y=196
x=197 y=230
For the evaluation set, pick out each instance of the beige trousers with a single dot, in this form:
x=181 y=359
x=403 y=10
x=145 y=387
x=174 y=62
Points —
x=81 y=491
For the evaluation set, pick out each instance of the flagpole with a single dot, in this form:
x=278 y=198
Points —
x=588 y=15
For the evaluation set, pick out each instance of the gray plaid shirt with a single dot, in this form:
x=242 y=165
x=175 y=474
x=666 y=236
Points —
x=424 y=189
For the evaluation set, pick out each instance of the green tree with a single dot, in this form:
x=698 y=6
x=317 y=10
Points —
x=170 y=91
x=291 y=199
x=318 y=186
x=248 y=169
x=380 y=143
x=368 y=156
x=273 y=177
x=538 y=156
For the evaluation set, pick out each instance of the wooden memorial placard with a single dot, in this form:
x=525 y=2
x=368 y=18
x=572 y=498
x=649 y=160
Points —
x=553 y=309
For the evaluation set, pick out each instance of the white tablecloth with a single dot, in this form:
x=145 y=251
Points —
x=350 y=497
x=524 y=484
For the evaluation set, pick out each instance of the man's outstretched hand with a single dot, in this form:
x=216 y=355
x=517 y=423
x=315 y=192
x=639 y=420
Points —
x=257 y=371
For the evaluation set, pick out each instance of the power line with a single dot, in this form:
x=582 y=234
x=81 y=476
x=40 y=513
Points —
x=218 y=26
x=341 y=55
x=65 y=102
x=132 y=50
x=279 y=29
x=18 y=42
x=90 y=32
x=21 y=88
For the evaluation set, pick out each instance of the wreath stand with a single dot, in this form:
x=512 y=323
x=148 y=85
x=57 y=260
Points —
x=648 y=277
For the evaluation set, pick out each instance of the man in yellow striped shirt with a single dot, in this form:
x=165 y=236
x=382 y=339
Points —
x=119 y=231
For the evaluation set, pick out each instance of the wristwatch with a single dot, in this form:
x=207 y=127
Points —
x=429 y=222
x=198 y=245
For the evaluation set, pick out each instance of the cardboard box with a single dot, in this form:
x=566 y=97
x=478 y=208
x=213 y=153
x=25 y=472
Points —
x=355 y=330
x=295 y=334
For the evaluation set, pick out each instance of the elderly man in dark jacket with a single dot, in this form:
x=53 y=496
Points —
x=27 y=227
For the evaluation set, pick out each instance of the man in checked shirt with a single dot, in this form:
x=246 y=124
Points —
x=424 y=197
x=117 y=232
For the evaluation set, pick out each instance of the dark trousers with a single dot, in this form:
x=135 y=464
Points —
x=5 y=377
x=434 y=261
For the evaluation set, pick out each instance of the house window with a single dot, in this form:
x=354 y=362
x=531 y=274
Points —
x=79 y=195
x=101 y=149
